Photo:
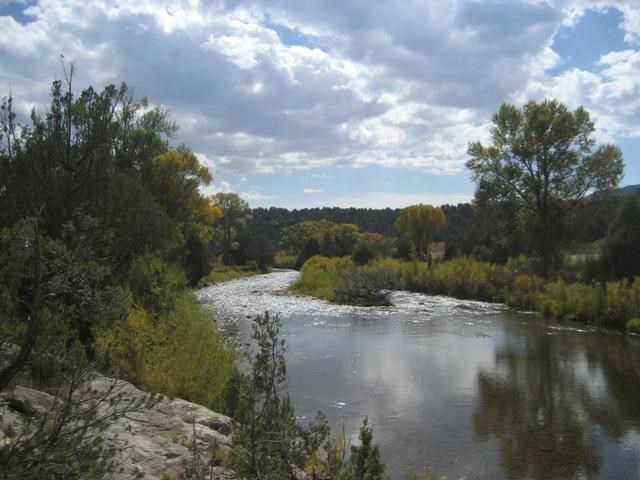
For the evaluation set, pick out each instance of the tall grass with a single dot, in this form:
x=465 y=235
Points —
x=179 y=353
x=612 y=303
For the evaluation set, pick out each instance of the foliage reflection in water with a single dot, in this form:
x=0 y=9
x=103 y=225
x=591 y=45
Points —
x=471 y=388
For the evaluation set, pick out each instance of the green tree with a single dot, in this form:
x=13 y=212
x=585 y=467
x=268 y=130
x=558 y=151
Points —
x=543 y=160
x=295 y=237
x=235 y=214
x=418 y=223
x=270 y=441
x=621 y=252
x=365 y=462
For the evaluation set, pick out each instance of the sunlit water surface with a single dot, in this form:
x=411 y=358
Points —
x=473 y=390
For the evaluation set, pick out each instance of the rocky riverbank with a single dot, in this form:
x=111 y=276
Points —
x=156 y=441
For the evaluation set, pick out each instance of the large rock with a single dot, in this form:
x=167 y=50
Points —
x=156 y=441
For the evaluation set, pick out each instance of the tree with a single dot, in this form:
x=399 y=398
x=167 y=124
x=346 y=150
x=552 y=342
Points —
x=235 y=213
x=365 y=462
x=295 y=237
x=418 y=223
x=270 y=442
x=542 y=160
x=621 y=255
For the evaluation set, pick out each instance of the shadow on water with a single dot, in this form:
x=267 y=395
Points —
x=556 y=400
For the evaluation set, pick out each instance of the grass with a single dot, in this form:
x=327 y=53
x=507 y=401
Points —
x=285 y=261
x=613 y=303
x=224 y=274
x=180 y=353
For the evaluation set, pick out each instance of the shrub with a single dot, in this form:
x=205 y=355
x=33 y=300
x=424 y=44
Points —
x=633 y=325
x=285 y=261
x=270 y=442
x=318 y=276
x=155 y=283
x=363 y=253
x=179 y=353
x=524 y=292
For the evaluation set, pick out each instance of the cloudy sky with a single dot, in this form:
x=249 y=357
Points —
x=342 y=103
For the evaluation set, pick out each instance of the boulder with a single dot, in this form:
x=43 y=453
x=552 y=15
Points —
x=159 y=440
x=155 y=441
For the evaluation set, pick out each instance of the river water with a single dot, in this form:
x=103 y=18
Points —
x=473 y=390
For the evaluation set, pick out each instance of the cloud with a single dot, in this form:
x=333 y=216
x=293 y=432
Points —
x=403 y=84
x=227 y=187
x=254 y=196
x=312 y=190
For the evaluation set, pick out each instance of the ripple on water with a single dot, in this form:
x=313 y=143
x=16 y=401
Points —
x=252 y=296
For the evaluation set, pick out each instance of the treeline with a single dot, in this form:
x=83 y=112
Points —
x=102 y=230
x=485 y=234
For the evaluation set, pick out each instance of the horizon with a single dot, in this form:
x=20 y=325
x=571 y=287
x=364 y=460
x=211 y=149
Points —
x=300 y=106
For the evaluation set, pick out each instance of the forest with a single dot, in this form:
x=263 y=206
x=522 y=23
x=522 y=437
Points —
x=104 y=232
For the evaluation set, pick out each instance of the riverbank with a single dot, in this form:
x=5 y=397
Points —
x=612 y=304
x=160 y=442
x=225 y=274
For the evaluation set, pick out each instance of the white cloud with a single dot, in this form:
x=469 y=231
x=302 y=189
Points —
x=254 y=196
x=404 y=85
x=312 y=190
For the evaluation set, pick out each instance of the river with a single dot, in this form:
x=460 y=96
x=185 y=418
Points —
x=474 y=390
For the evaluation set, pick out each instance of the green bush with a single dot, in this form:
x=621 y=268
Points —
x=285 y=261
x=610 y=304
x=633 y=325
x=156 y=284
x=319 y=276
x=179 y=353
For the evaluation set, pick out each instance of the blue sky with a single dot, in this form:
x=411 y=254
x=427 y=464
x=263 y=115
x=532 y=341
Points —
x=351 y=103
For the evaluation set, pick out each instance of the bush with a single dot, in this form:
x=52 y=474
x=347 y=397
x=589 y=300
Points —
x=285 y=261
x=318 y=276
x=179 y=353
x=633 y=325
x=269 y=441
x=156 y=284
x=363 y=253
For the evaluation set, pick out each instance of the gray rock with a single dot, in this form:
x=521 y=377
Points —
x=155 y=441
x=29 y=402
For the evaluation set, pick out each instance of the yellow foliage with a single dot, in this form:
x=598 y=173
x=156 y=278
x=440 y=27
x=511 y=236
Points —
x=180 y=354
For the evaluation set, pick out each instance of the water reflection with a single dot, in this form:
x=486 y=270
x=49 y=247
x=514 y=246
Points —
x=556 y=400
x=470 y=388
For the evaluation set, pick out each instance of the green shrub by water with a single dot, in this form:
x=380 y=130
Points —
x=611 y=303
x=180 y=353
x=164 y=342
x=633 y=325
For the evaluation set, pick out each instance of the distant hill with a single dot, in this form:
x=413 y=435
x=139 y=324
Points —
x=628 y=190
x=621 y=192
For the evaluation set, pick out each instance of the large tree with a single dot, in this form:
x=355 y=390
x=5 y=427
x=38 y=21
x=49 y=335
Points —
x=542 y=159
x=418 y=223
x=235 y=214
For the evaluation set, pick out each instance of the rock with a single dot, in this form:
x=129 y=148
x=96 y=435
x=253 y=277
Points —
x=155 y=441
x=28 y=402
